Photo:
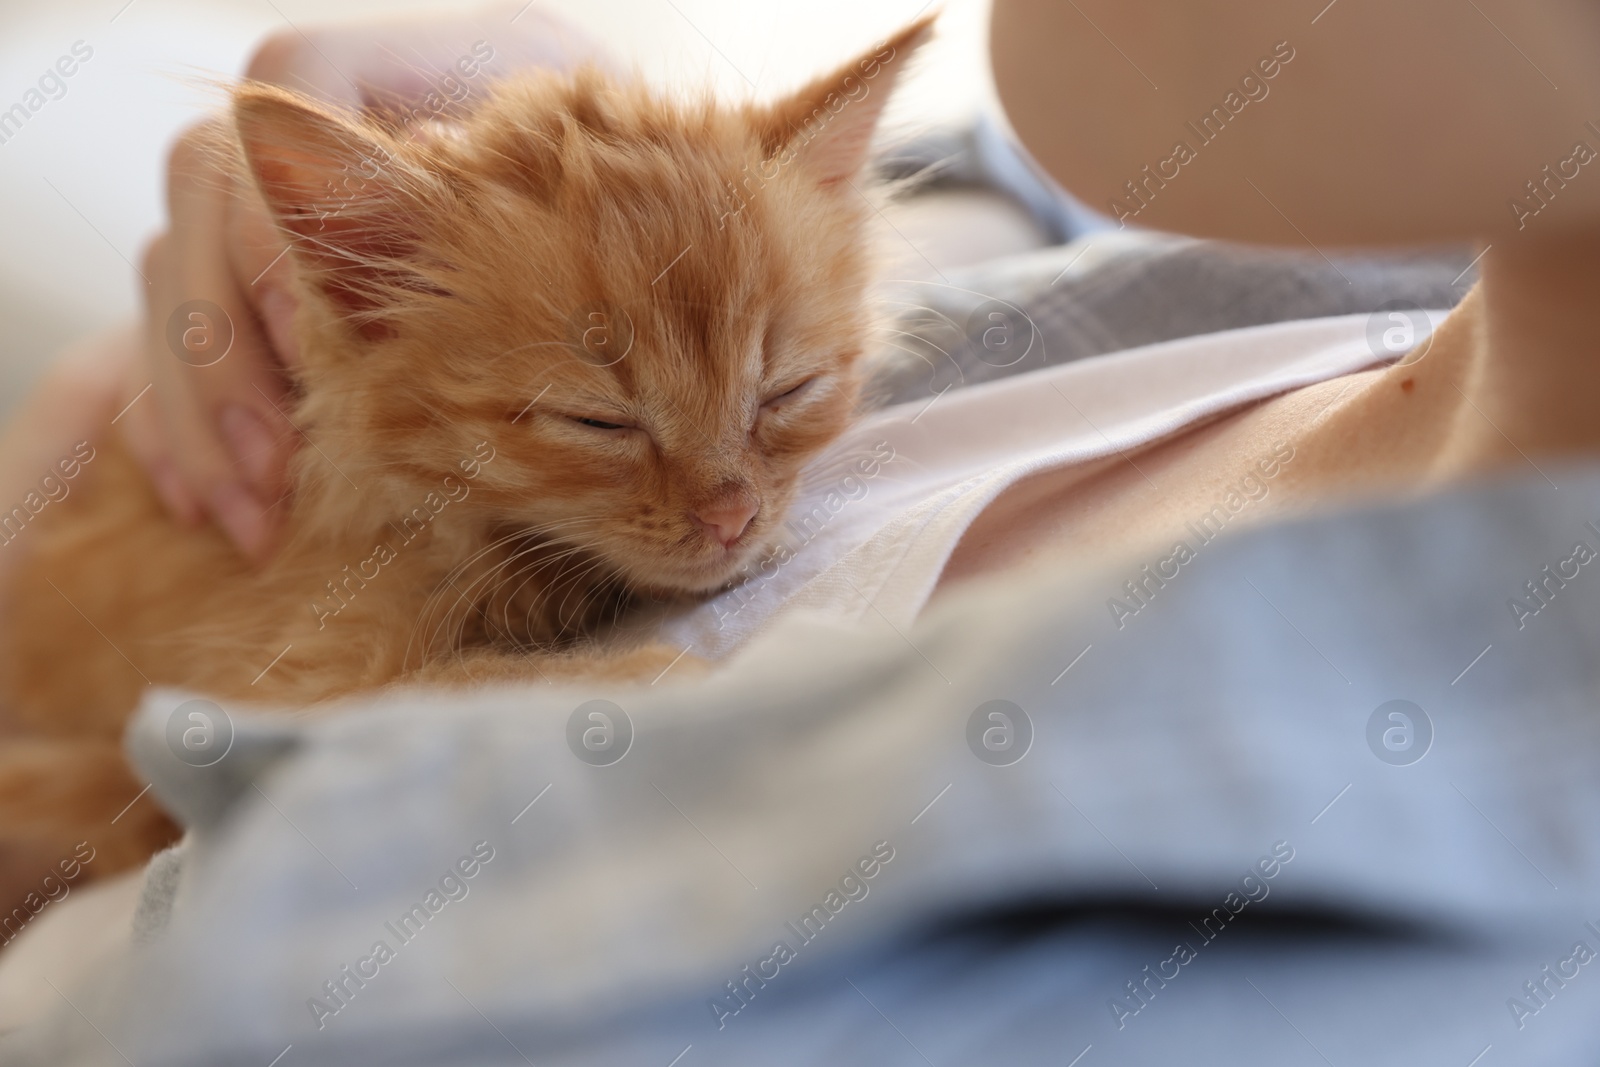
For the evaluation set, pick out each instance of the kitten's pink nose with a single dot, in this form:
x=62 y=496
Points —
x=725 y=521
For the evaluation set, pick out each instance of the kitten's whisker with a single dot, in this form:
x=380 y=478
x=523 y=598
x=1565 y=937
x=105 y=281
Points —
x=573 y=581
x=516 y=535
x=526 y=573
x=516 y=569
x=449 y=579
x=905 y=312
x=432 y=622
x=505 y=600
x=889 y=336
x=891 y=343
x=599 y=597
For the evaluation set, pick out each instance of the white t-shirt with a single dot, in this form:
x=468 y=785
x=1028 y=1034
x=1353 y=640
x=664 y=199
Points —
x=882 y=510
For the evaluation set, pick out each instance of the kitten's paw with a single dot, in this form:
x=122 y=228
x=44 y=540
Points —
x=651 y=663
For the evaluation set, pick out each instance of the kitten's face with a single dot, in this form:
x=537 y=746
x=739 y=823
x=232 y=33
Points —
x=653 y=313
x=654 y=389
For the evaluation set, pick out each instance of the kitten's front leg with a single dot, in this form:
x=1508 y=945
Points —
x=653 y=662
x=650 y=663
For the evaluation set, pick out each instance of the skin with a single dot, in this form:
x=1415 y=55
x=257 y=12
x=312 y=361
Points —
x=1401 y=122
x=1509 y=382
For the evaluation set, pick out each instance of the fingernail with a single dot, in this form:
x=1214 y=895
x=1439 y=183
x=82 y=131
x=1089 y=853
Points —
x=277 y=315
x=174 y=493
x=250 y=442
x=241 y=517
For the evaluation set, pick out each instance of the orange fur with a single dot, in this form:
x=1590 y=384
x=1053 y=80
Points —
x=465 y=296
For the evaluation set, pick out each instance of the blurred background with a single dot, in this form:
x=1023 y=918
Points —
x=81 y=183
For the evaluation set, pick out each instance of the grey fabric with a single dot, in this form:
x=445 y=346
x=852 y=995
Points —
x=1106 y=288
x=982 y=154
x=1169 y=755
x=199 y=793
x=158 y=893
x=1111 y=291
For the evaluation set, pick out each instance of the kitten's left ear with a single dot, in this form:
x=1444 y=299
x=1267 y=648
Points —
x=352 y=198
x=828 y=125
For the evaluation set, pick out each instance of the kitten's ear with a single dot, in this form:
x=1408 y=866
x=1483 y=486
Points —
x=351 y=198
x=828 y=125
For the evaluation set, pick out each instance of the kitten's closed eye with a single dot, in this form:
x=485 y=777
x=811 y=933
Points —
x=599 y=424
x=790 y=394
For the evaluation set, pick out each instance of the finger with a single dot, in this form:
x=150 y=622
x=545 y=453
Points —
x=138 y=420
x=141 y=433
x=216 y=383
x=293 y=60
x=260 y=258
x=431 y=60
x=256 y=424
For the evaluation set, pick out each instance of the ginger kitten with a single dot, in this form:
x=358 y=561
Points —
x=570 y=352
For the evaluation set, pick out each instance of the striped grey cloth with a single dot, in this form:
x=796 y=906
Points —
x=1110 y=291
x=1104 y=288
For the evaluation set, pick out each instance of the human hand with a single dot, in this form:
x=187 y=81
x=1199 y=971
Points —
x=219 y=351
